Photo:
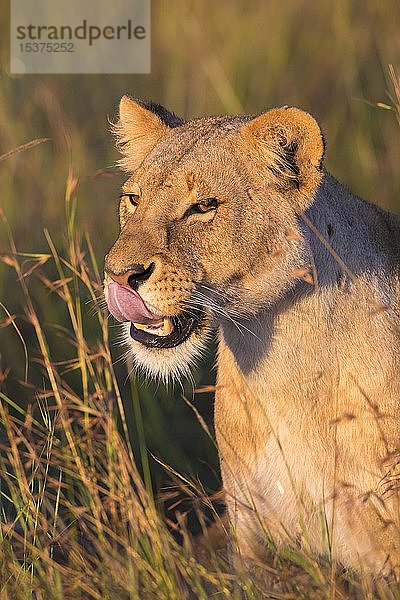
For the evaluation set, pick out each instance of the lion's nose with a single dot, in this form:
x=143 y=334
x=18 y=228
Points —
x=136 y=274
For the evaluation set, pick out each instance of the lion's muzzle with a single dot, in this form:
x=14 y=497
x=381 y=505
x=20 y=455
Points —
x=154 y=331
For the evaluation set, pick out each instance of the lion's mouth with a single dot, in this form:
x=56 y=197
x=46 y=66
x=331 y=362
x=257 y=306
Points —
x=149 y=329
x=172 y=332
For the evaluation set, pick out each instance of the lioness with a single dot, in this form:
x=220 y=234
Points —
x=233 y=222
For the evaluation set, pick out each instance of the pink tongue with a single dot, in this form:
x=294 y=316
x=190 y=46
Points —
x=126 y=305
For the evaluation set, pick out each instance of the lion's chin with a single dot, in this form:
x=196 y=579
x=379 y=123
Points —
x=171 y=362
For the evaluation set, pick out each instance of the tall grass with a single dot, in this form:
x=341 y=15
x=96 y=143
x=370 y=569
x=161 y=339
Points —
x=207 y=58
x=76 y=518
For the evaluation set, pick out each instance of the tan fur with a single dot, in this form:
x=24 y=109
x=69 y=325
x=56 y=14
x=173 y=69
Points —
x=302 y=280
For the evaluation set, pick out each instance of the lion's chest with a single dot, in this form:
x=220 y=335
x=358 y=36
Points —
x=289 y=433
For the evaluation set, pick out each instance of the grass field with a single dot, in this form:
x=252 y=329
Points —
x=105 y=480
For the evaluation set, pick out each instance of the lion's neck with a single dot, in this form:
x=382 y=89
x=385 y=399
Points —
x=344 y=253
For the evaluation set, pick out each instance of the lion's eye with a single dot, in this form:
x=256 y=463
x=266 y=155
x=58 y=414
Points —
x=133 y=198
x=202 y=207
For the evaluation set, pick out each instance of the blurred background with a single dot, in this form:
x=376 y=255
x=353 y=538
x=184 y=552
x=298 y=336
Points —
x=330 y=58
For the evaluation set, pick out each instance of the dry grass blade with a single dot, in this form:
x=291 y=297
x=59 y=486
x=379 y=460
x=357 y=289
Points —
x=23 y=147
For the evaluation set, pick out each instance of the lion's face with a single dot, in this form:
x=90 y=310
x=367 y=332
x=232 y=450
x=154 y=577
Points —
x=208 y=227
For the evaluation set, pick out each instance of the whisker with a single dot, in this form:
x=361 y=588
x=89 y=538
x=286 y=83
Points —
x=214 y=291
x=232 y=310
x=210 y=302
x=213 y=307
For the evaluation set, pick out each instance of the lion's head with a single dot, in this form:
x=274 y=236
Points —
x=208 y=223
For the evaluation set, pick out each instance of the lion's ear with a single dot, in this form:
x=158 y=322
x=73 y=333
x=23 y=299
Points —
x=292 y=145
x=141 y=126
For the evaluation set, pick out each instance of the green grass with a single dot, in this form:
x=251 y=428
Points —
x=104 y=481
